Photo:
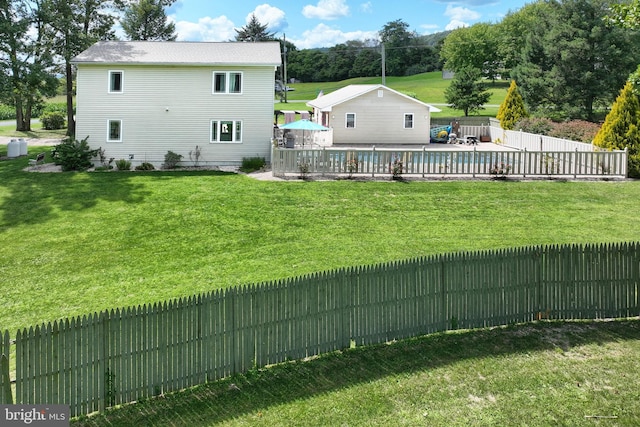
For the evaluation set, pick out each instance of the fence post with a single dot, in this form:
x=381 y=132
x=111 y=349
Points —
x=373 y=162
x=423 y=165
x=5 y=379
x=473 y=162
x=575 y=164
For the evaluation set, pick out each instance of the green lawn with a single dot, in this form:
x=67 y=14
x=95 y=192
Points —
x=427 y=87
x=545 y=374
x=74 y=243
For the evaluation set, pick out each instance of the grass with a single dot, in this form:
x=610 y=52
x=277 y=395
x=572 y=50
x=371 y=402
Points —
x=36 y=132
x=74 y=243
x=427 y=87
x=525 y=375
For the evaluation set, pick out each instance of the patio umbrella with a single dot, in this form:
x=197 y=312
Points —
x=304 y=125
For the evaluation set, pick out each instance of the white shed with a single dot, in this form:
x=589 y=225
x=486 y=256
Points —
x=373 y=115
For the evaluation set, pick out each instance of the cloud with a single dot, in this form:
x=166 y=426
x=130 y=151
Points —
x=459 y=17
x=324 y=36
x=366 y=7
x=206 y=29
x=429 y=28
x=326 y=9
x=270 y=16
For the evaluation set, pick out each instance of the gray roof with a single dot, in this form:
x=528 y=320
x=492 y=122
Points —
x=326 y=102
x=181 y=53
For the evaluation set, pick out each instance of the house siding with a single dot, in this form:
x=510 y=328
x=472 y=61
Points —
x=166 y=108
x=380 y=120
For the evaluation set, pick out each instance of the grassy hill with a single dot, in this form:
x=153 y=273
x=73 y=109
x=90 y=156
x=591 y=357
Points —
x=427 y=87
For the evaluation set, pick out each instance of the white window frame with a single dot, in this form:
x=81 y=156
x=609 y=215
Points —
x=236 y=136
x=119 y=121
x=404 y=120
x=346 y=120
x=110 y=81
x=227 y=82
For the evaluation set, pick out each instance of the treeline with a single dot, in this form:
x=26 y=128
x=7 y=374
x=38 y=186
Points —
x=406 y=53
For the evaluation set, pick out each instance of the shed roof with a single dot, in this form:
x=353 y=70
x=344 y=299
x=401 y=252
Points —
x=326 y=102
x=181 y=53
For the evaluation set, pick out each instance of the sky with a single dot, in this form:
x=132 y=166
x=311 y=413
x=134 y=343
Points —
x=325 y=23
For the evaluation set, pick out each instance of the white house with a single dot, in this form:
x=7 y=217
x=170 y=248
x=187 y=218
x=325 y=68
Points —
x=138 y=100
x=373 y=115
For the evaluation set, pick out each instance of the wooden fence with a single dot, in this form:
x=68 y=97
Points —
x=426 y=162
x=118 y=356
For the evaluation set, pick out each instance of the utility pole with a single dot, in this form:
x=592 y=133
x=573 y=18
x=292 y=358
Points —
x=384 y=77
x=284 y=65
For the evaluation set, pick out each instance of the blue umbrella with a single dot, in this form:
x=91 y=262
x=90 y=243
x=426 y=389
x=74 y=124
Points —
x=303 y=125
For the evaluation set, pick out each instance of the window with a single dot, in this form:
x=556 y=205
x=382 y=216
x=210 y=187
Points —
x=350 y=121
x=227 y=82
x=115 y=81
x=408 y=121
x=226 y=131
x=114 y=131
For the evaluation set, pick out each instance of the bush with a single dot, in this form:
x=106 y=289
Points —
x=575 y=130
x=537 y=125
x=123 y=165
x=252 y=164
x=171 y=160
x=146 y=166
x=52 y=121
x=7 y=112
x=55 y=107
x=74 y=155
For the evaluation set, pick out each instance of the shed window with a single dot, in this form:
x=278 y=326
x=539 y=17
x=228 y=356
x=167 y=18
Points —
x=115 y=81
x=227 y=82
x=350 y=121
x=226 y=131
x=408 y=121
x=114 y=131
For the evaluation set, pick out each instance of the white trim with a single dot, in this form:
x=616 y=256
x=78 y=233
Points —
x=227 y=82
x=109 y=88
x=234 y=124
x=404 y=120
x=109 y=130
x=346 y=121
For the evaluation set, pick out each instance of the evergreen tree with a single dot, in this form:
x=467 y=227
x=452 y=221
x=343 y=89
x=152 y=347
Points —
x=254 y=31
x=621 y=128
x=147 y=20
x=512 y=109
x=466 y=92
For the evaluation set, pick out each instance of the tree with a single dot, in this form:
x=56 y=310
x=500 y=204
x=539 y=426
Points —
x=26 y=73
x=571 y=60
x=254 y=31
x=512 y=109
x=147 y=20
x=625 y=15
x=466 y=92
x=74 y=25
x=397 y=40
x=475 y=47
x=621 y=128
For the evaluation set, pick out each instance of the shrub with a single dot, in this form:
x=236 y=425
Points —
x=512 y=108
x=171 y=160
x=575 y=130
x=123 y=165
x=146 y=166
x=7 y=112
x=538 y=125
x=53 y=120
x=55 y=107
x=74 y=155
x=252 y=164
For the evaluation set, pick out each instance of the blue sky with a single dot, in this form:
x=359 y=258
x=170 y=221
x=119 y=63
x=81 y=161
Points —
x=325 y=23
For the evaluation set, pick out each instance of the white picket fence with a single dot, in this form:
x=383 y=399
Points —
x=423 y=162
